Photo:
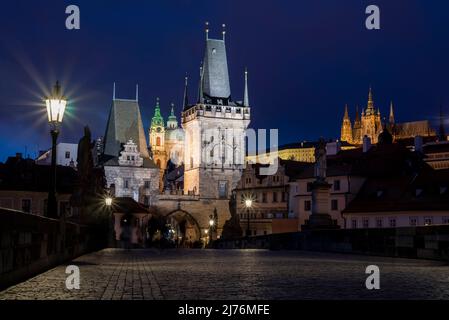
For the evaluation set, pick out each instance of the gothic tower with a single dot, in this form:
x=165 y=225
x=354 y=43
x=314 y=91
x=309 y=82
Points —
x=346 y=127
x=357 y=129
x=157 y=137
x=371 y=123
x=214 y=129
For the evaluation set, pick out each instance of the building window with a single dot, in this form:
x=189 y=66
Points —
x=309 y=186
x=307 y=205
x=158 y=141
x=126 y=184
x=392 y=223
x=146 y=200
x=264 y=197
x=413 y=221
x=146 y=184
x=379 y=223
x=365 y=223
x=26 y=205
x=428 y=221
x=354 y=224
x=336 y=185
x=222 y=189
x=334 y=204
x=67 y=154
x=275 y=197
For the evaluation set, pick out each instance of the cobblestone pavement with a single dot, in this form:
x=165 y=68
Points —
x=236 y=274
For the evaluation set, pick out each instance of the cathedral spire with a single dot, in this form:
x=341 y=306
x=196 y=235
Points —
x=137 y=92
x=113 y=92
x=346 y=116
x=370 y=106
x=245 y=95
x=357 y=114
x=391 y=118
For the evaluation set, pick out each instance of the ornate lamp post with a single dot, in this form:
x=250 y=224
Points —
x=248 y=205
x=108 y=202
x=56 y=105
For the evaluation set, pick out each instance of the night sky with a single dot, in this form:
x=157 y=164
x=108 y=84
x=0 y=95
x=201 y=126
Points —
x=306 y=59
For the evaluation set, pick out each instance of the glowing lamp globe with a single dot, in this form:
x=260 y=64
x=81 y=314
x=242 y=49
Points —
x=211 y=222
x=108 y=201
x=56 y=105
x=248 y=203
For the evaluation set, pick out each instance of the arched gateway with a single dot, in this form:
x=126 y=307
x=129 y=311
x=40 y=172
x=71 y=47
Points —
x=184 y=228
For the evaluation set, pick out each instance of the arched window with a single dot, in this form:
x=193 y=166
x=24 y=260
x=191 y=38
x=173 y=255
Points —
x=158 y=141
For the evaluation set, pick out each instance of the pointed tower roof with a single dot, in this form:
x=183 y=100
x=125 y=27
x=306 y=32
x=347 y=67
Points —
x=215 y=80
x=185 y=100
x=391 y=117
x=370 y=105
x=124 y=124
x=157 y=120
x=245 y=94
x=346 y=116
x=172 y=122
x=357 y=114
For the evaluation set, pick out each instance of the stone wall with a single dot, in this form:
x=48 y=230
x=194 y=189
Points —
x=430 y=242
x=31 y=244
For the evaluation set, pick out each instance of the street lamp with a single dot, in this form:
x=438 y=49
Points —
x=56 y=105
x=108 y=202
x=248 y=205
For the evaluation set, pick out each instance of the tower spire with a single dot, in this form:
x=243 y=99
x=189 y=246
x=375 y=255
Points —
x=391 y=118
x=346 y=116
x=223 y=31
x=245 y=94
x=370 y=106
x=207 y=30
x=200 y=86
x=137 y=92
x=113 y=92
x=186 y=98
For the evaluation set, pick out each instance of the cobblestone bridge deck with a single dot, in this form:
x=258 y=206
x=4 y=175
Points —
x=236 y=274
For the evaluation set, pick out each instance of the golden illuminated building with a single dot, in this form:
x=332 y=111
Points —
x=368 y=123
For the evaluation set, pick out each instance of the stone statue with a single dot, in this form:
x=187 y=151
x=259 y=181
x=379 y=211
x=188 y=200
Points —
x=231 y=228
x=320 y=161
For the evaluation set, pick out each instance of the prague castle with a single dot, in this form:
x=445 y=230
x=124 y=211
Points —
x=369 y=123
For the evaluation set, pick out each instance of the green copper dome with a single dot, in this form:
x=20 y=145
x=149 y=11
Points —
x=157 y=120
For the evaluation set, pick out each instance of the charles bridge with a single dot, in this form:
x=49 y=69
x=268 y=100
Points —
x=34 y=256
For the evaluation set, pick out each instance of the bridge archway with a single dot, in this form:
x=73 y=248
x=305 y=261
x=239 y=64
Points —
x=186 y=229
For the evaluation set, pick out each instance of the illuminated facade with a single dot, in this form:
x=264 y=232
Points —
x=369 y=123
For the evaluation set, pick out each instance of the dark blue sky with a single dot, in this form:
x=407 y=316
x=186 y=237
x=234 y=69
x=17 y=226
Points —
x=306 y=59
